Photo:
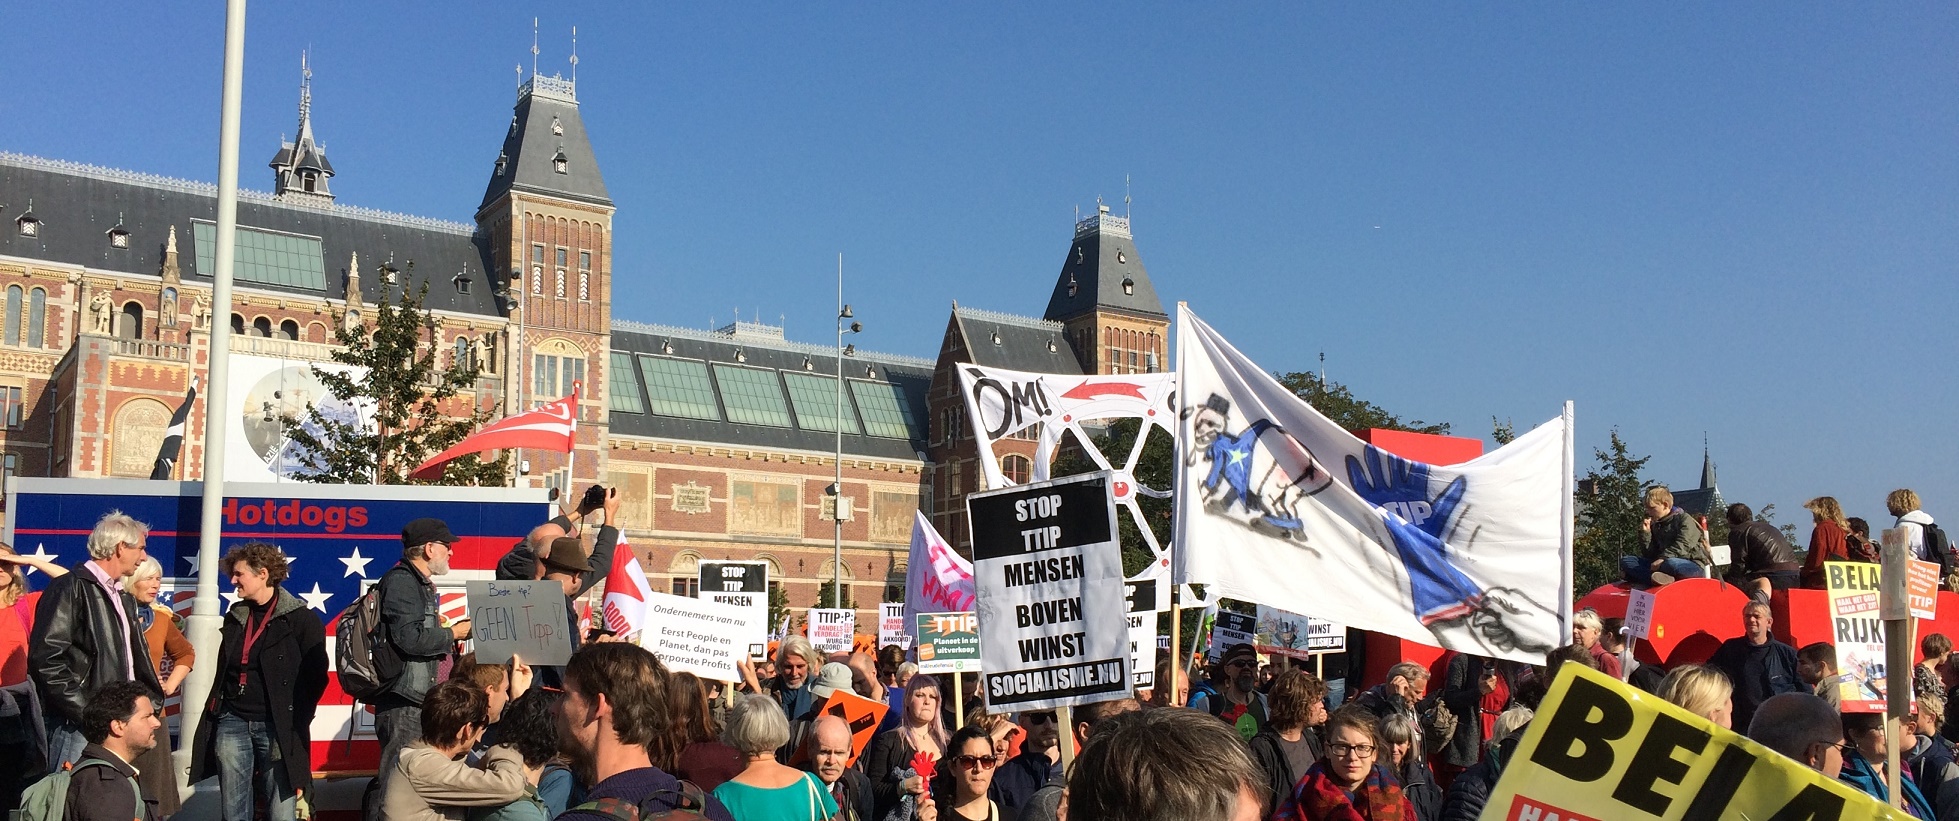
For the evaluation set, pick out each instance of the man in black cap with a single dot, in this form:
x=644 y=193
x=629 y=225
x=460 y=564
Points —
x=412 y=630
x=551 y=551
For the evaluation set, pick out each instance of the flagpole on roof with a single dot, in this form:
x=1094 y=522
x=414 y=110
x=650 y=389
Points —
x=205 y=618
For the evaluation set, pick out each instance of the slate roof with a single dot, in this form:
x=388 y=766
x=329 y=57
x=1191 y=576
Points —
x=1021 y=343
x=77 y=205
x=763 y=351
x=1102 y=256
x=530 y=148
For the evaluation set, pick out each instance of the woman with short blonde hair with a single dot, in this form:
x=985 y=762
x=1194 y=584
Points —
x=1701 y=690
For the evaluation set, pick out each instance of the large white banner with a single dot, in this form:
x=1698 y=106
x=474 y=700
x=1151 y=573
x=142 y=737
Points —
x=937 y=578
x=265 y=393
x=1280 y=506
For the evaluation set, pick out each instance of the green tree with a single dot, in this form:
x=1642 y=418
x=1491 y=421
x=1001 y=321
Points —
x=827 y=596
x=778 y=605
x=1610 y=507
x=1348 y=411
x=399 y=380
x=1503 y=432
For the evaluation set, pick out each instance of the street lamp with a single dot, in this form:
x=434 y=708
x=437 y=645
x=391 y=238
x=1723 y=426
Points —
x=836 y=487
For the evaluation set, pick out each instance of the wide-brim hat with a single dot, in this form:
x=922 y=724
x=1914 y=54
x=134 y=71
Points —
x=831 y=678
x=567 y=554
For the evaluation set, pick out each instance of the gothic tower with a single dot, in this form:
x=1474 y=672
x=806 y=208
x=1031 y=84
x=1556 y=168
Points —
x=1106 y=302
x=300 y=169
x=548 y=221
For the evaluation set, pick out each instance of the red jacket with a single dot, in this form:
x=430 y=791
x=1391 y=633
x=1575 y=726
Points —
x=1826 y=544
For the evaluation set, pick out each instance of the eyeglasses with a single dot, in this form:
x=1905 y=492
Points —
x=1357 y=750
x=1239 y=663
x=1040 y=718
x=982 y=762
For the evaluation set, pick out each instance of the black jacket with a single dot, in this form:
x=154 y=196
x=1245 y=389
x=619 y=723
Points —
x=1757 y=548
x=1418 y=784
x=107 y=793
x=1271 y=759
x=521 y=563
x=74 y=648
x=889 y=751
x=292 y=657
x=411 y=617
x=1472 y=788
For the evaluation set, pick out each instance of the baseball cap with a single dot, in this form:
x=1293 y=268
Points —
x=831 y=678
x=567 y=554
x=423 y=531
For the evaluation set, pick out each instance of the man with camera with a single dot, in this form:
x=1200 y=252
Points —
x=554 y=551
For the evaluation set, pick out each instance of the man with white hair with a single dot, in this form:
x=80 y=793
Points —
x=1586 y=631
x=86 y=636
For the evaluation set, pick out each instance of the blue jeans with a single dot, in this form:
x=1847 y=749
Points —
x=1639 y=572
x=249 y=764
x=65 y=743
x=1336 y=694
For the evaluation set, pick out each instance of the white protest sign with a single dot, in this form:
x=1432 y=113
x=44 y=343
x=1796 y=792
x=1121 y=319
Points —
x=1324 y=636
x=832 y=630
x=1047 y=571
x=744 y=585
x=696 y=635
x=522 y=617
x=1639 y=614
x=1229 y=629
x=1145 y=596
x=1292 y=635
x=891 y=625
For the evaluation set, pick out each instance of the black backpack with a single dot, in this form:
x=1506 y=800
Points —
x=365 y=660
x=1940 y=547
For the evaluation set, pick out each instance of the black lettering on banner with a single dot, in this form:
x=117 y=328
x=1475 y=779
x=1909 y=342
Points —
x=1653 y=762
x=1142 y=596
x=1812 y=804
x=1574 y=745
x=1720 y=785
x=1028 y=396
x=1042 y=571
x=1001 y=525
x=1040 y=613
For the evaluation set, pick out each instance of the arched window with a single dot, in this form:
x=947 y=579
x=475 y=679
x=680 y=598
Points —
x=139 y=429
x=132 y=321
x=37 y=318
x=316 y=332
x=289 y=330
x=463 y=350
x=262 y=326
x=237 y=325
x=1017 y=468
x=13 y=315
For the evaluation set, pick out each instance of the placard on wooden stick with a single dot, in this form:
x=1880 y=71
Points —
x=526 y=618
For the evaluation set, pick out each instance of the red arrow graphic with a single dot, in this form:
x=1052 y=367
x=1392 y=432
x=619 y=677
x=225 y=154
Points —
x=1090 y=390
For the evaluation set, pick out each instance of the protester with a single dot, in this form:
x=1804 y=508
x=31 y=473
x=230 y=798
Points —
x=705 y=760
x=1569 y=654
x=1237 y=701
x=1038 y=762
x=21 y=734
x=1167 y=764
x=1931 y=759
x=614 y=720
x=165 y=639
x=1859 y=543
x=964 y=782
x=1863 y=764
x=1470 y=792
x=1045 y=803
x=1936 y=650
x=414 y=641
x=120 y=723
x=1476 y=689
x=1407 y=682
x=1802 y=727
x=554 y=551
x=766 y=790
x=1816 y=668
x=833 y=676
x=1167 y=695
x=1400 y=738
x=1759 y=665
x=530 y=729
x=85 y=635
x=1828 y=538
x=829 y=760
x=889 y=758
x=432 y=781
x=1637 y=673
x=1585 y=631
x=797 y=664
x=1290 y=742
x=1347 y=783
x=1675 y=546
x=1701 y=690
x=1762 y=559
x=1904 y=504
x=999 y=729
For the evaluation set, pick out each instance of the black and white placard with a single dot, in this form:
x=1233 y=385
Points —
x=1052 y=605
x=744 y=585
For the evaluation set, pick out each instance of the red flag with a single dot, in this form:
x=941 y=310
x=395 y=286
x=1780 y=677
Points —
x=626 y=590
x=550 y=427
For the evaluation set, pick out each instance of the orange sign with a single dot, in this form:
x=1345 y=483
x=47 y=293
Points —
x=862 y=714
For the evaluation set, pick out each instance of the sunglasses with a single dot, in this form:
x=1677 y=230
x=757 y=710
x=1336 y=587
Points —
x=969 y=762
x=1040 y=718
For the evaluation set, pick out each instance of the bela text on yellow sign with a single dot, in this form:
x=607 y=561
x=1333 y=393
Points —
x=1601 y=749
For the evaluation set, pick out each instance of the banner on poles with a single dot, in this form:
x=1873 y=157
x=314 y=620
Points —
x=1858 y=634
x=1047 y=568
x=937 y=578
x=948 y=643
x=832 y=630
x=1602 y=749
x=744 y=585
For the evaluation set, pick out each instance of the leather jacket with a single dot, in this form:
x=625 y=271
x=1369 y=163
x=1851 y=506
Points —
x=75 y=649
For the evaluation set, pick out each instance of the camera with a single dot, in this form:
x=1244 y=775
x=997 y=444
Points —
x=594 y=499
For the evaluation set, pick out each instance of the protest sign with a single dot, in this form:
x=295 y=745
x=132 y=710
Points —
x=1047 y=569
x=948 y=643
x=891 y=625
x=1600 y=748
x=1280 y=633
x=697 y=636
x=1146 y=598
x=832 y=630
x=522 y=617
x=1922 y=589
x=744 y=585
x=1228 y=629
x=1858 y=634
x=1639 y=614
x=862 y=714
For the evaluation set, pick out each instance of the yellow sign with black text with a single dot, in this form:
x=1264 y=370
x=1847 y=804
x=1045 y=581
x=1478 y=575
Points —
x=1601 y=749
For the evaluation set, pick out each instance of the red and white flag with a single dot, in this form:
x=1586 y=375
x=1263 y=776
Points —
x=626 y=589
x=551 y=427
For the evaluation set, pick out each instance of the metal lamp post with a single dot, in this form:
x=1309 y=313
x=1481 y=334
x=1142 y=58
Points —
x=836 y=487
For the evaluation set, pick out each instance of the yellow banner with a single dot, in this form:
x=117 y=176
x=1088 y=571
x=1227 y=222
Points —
x=1601 y=749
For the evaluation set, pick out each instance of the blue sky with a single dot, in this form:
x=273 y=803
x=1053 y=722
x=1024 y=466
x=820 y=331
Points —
x=1736 y=219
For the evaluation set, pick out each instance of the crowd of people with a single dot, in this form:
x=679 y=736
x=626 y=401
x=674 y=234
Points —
x=1759 y=557
x=86 y=662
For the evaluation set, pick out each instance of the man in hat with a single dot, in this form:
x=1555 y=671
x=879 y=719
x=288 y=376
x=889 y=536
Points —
x=549 y=553
x=1239 y=702
x=832 y=677
x=412 y=630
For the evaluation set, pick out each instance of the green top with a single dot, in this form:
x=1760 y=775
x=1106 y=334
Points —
x=805 y=800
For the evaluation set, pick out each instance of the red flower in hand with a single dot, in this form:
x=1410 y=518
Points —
x=924 y=765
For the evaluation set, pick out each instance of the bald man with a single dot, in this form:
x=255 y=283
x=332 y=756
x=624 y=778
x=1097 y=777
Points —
x=829 y=760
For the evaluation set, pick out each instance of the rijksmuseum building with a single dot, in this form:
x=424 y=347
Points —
x=721 y=441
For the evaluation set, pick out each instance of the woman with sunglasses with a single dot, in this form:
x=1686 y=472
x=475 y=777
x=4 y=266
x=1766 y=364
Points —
x=966 y=776
x=1347 y=782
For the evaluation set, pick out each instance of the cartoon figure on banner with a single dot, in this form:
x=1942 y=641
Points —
x=1234 y=459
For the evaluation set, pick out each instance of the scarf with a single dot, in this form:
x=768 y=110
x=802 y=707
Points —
x=1317 y=798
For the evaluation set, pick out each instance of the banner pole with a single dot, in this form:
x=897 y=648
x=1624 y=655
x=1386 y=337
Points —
x=1066 y=716
x=1176 y=637
x=958 y=701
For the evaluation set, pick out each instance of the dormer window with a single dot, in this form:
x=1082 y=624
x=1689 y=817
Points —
x=1121 y=259
x=462 y=283
x=560 y=163
x=996 y=338
x=1128 y=286
x=388 y=274
x=118 y=238
x=1051 y=346
x=503 y=163
x=29 y=226
x=307 y=181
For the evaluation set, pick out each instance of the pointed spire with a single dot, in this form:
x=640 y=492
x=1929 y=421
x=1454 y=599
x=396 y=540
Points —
x=300 y=169
x=1707 y=465
x=574 y=56
x=170 y=245
x=305 y=100
x=171 y=273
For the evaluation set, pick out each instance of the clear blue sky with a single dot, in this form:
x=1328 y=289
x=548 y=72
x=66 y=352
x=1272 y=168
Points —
x=1736 y=219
